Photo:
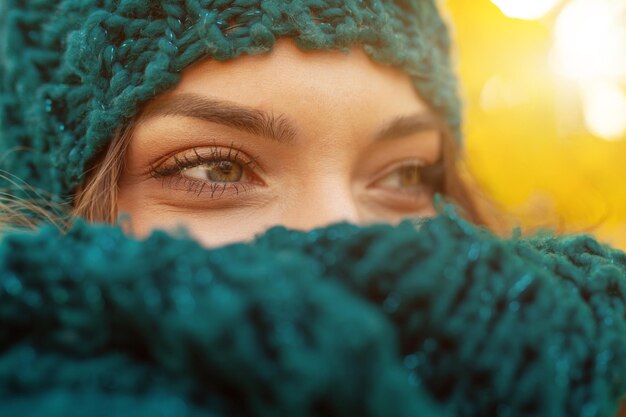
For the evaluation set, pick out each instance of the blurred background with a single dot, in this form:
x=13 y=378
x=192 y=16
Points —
x=544 y=85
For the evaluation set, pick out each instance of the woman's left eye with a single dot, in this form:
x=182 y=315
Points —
x=406 y=176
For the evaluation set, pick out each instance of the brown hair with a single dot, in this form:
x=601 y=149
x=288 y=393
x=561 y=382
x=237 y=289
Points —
x=96 y=198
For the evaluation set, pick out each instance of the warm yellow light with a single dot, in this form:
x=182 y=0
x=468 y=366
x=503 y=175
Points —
x=590 y=40
x=604 y=105
x=526 y=9
x=499 y=93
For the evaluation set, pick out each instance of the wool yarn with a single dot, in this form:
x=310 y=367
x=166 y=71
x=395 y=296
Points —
x=440 y=318
x=72 y=71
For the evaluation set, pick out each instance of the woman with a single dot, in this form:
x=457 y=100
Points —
x=300 y=139
x=253 y=119
x=331 y=104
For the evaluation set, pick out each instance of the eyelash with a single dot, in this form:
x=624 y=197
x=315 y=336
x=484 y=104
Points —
x=431 y=176
x=170 y=174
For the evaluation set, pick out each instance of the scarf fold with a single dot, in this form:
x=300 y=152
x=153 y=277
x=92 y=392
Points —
x=429 y=318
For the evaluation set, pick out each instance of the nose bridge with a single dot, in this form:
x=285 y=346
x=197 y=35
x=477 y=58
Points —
x=320 y=203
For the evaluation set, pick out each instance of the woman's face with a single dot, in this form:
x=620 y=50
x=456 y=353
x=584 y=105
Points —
x=300 y=139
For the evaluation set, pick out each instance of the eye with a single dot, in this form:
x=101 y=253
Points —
x=405 y=178
x=211 y=170
x=216 y=171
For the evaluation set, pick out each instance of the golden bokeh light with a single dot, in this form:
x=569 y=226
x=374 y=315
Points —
x=545 y=109
x=526 y=9
x=590 y=40
x=604 y=108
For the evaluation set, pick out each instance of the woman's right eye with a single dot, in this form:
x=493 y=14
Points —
x=213 y=170
x=216 y=171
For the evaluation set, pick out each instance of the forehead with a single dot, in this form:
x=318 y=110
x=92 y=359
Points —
x=319 y=86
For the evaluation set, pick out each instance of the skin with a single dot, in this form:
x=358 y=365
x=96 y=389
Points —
x=331 y=170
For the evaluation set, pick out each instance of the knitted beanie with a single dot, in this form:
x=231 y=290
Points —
x=72 y=71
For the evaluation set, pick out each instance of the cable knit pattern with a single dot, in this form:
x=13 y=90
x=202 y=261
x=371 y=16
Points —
x=71 y=71
x=438 y=318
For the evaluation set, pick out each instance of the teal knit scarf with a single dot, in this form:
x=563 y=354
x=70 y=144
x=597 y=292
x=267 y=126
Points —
x=438 y=318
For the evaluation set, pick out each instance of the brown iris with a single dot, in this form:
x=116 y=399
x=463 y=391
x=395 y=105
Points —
x=221 y=171
x=409 y=175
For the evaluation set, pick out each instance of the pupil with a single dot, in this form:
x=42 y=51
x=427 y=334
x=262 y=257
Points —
x=226 y=166
x=409 y=176
x=224 y=171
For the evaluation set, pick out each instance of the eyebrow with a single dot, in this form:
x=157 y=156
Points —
x=278 y=128
x=402 y=126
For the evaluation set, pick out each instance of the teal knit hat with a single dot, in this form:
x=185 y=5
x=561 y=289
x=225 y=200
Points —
x=72 y=71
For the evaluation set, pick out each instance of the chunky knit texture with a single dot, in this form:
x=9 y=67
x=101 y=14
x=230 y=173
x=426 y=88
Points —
x=72 y=71
x=440 y=320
